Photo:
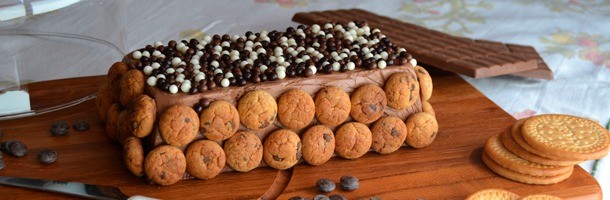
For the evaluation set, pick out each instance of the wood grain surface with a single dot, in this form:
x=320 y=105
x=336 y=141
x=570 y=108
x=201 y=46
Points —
x=451 y=168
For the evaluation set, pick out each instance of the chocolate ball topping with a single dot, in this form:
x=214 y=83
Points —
x=219 y=61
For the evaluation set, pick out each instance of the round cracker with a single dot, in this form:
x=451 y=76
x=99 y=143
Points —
x=511 y=145
x=540 y=197
x=566 y=137
x=493 y=194
x=523 y=178
x=496 y=151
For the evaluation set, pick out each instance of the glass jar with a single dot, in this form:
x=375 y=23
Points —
x=45 y=45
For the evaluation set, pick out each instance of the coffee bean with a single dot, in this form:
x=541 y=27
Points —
x=80 y=126
x=349 y=183
x=14 y=147
x=47 y=156
x=60 y=129
x=321 y=197
x=337 y=197
x=325 y=185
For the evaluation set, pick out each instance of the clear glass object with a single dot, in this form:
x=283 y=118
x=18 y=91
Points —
x=44 y=41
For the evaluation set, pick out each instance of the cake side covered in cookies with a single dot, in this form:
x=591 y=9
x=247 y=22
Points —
x=247 y=101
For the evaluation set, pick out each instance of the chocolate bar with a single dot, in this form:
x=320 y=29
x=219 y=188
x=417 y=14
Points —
x=474 y=58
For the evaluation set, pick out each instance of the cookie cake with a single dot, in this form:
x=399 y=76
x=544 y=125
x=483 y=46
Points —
x=197 y=108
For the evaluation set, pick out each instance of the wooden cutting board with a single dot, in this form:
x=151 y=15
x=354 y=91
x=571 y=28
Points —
x=451 y=168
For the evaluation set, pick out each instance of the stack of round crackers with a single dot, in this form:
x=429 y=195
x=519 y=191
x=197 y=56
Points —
x=544 y=149
x=500 y=194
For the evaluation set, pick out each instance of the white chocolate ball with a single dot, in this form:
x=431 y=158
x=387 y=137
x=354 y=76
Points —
x=176 y=61
x=136 y=55
x=146 y=54
x=225 y=82
x=152 y=81
x=173 y=89
x=281 y=74
x=351 y=66
x=157 y=44
x=155 y=65
x=381 y=64
x=214 y=63
x=336 y=66
x=147 y=70
x=263 y=68
x=313 y=69
x=185 y=87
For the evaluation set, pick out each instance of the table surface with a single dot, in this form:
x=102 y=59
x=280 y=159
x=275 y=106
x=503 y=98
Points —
x=451 y=168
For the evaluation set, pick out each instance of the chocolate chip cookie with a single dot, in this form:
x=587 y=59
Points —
x=421 y=129
x=332 y=106
x=296 y=109
x=205 y=159
x=318 y=145
x=142 y=119
x=112 y=118
x=425 y=82
x=427 y=108
x=368 y=103
x=165 y=165
x=104 y=98
x=389 y=134
x=115 y=72
x=257 y=109
x=123 y=126
x=244 y=151
x=282 y=149
x=402 y=90
x=132 y=85
x=219 y=121
x=133 y=156
x=178 y=125
x=353 y=140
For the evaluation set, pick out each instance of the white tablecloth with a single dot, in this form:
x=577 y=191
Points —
x=573 y=37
